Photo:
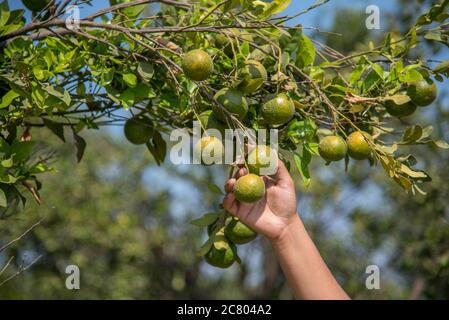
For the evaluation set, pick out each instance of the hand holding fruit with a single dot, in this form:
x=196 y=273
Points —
x=274 y=212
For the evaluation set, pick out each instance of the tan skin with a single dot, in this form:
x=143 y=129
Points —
x=275 y=216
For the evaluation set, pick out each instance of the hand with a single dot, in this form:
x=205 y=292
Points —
x=272 y=214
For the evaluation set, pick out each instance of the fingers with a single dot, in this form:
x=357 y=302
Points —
x=241 y=172
x=229 y=186
x=282 y=176
x=230 y=204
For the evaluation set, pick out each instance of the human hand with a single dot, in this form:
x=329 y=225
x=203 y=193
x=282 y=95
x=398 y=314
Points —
x=272 y=214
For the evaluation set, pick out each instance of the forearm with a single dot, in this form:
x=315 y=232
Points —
x=303 y=266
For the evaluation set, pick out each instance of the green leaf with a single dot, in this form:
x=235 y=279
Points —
x=410 y=76
x=205 y=220
x=414 y=174
x=7 y=163
x=21 y=150
x=158 y=147
x=412 y=134
x=215 y=189
x=399 y=99
x=276 y=6
x=59 y=93
x=80 y=144
x=8 y=98
x=378 y=69
x=443 y=67
x=130 y=79
x=306 y=52
x=55 y=127
x=302 y=163
x=3 y=199
x=358 y=71
x=205 y=247
x=441 y=144
x=145 y=70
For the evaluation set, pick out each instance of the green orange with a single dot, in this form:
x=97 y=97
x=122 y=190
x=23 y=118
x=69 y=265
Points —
x=249 y=189
x=332 y=148
x=254 y=75
x=358 y=146
x=222 y=257
x=400 y=110
x=261 y=157
x=278 y=110
x=422 y=92
x=233 y=101
x=139 y=129
x=197 y=65
x=239 y=233
x=209 y=150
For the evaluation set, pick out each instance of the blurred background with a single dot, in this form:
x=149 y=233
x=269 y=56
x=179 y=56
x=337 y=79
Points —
x=124 y=221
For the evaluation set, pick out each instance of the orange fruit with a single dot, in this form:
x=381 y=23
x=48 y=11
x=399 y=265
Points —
x=197 y=65
x=278 y=110
x=332 y=148
x=358 y=147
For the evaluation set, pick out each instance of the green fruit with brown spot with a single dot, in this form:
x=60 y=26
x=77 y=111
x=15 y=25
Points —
x=254 y=75
x=358 y=146
x=239 y=233
x=139 y=129
x=422 y=92
x=249 y=188
x=332 y=148
x=197 y=65
x=233 y=101
x=278 y=110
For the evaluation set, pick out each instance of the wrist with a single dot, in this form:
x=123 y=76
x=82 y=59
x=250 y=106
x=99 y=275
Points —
x=292 y=227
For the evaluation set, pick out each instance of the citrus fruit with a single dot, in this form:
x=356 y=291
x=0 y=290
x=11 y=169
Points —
x=209 y=121
x=278 y=110
x=400 y=110
x=249 y=188
x=254 y=75
x=222 y=257
x=138 y=130
x=35 y=5
x=358 y=147
x=422 y=92
x=233 y=101
x=209 y=150
x=239 y=233
x=332 y=148
x=197 y=65
x=262 y=157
